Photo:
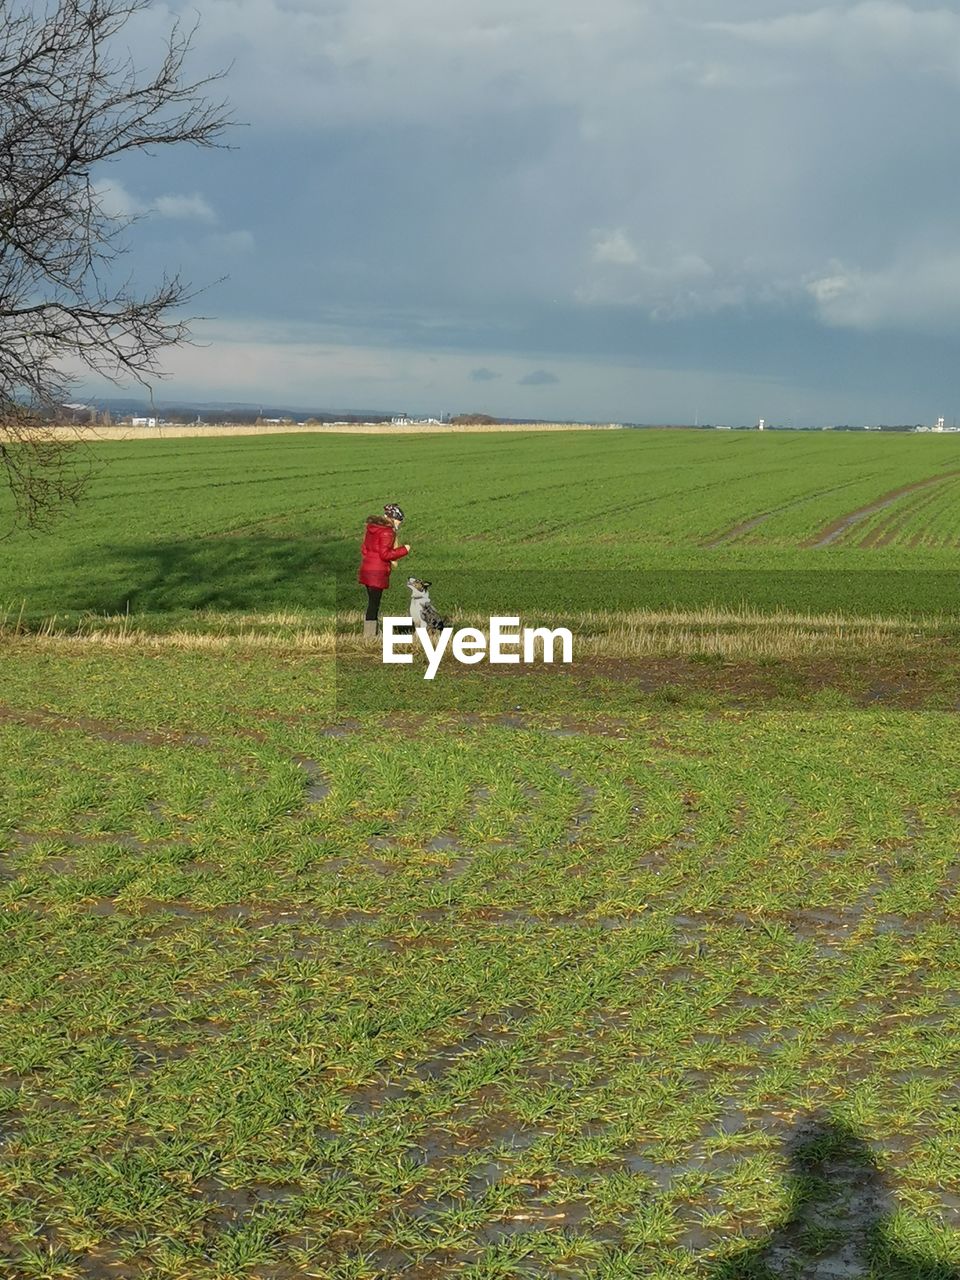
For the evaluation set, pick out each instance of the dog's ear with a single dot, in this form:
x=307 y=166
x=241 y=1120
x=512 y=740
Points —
x=425 y=585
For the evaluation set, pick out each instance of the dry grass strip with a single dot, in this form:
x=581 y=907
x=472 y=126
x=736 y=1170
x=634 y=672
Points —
x=743 y=634
x=101 y=435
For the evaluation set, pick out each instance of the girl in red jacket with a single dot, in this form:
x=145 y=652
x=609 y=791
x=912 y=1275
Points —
x=377 y=554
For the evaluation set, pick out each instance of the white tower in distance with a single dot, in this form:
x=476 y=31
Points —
x=761 y=424
x=941 y=423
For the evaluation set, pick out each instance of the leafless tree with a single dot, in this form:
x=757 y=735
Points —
x=71 y=100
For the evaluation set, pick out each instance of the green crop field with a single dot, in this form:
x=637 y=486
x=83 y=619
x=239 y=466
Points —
x=638 y=983
x=585 y=520
x=646 y=968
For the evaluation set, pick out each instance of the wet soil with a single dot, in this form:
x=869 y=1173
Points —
x=41 y=718
x=837 y=528
x=753 y=522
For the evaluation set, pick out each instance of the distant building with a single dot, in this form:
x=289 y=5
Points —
x=399 y=420
x=939 y=429
x=761 y=424
x=143 y=422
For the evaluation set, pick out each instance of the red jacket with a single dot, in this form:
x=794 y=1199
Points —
x=378 y=553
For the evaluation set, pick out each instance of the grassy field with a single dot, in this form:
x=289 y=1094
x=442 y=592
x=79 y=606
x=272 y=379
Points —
x=629 y=973
x=641 y=969
x=613 y=520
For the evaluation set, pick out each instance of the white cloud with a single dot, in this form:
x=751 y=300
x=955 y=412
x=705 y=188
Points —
x=665 y=281
x=118 y=202
x=115 y=200
x=695 y=161
x=234 y=242
x=358 y=59
x=680 y=158
x=614 y=247
x=919 y=292
x=866 y=36
x=194 y=207
x=319 y=63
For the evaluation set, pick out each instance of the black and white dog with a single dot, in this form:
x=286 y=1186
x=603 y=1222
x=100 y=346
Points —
x=421 y=607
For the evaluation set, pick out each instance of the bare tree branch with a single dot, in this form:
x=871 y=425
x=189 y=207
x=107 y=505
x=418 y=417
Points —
x=68 y=104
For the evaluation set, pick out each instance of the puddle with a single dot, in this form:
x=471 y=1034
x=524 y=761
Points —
x=392 y=1263
x=439 y=1063
x=480 y=796
x=341 y=730
x=100 y=907
x=511 y=722
x=434 y=915
x=148 y=1056
x=430 y=1209
x=257 y=916
x=565 y=728
x=734 y=1121
x=376 y=866
x=585 y=815
x=346 y=920
x=738 y=530
x=689 y=929
x=382 y=842
x=456 y=869
x=332 y=864
x=443 y=844
x=239 y=1201
x=186 y=910
x=317 y=787
x=25 y=840
x=370 y=1098
x=538 y=1216
x=697 y=1239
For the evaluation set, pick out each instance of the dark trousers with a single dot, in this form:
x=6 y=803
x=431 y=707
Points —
x=373 y=603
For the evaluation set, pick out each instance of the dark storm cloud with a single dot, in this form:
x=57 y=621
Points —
x=742 y=190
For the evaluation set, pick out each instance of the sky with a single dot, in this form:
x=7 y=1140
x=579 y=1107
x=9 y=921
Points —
x=627 y=210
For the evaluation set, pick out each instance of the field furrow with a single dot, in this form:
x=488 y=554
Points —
x=839 y=529
x=634 y=504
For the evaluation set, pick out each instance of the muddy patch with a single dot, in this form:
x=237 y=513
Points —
x=541 y=1216
x=488 y=1033
x=584 y=815
x=748 y=525
x=41 y=718
x=239 y=1202
x=834 y=531
x=368 y=1099
x=317 y=786
x=27 y=840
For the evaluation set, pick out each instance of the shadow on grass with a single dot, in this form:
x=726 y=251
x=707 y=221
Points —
x=255 y=571
x=245 y=573
x=843 y=1220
